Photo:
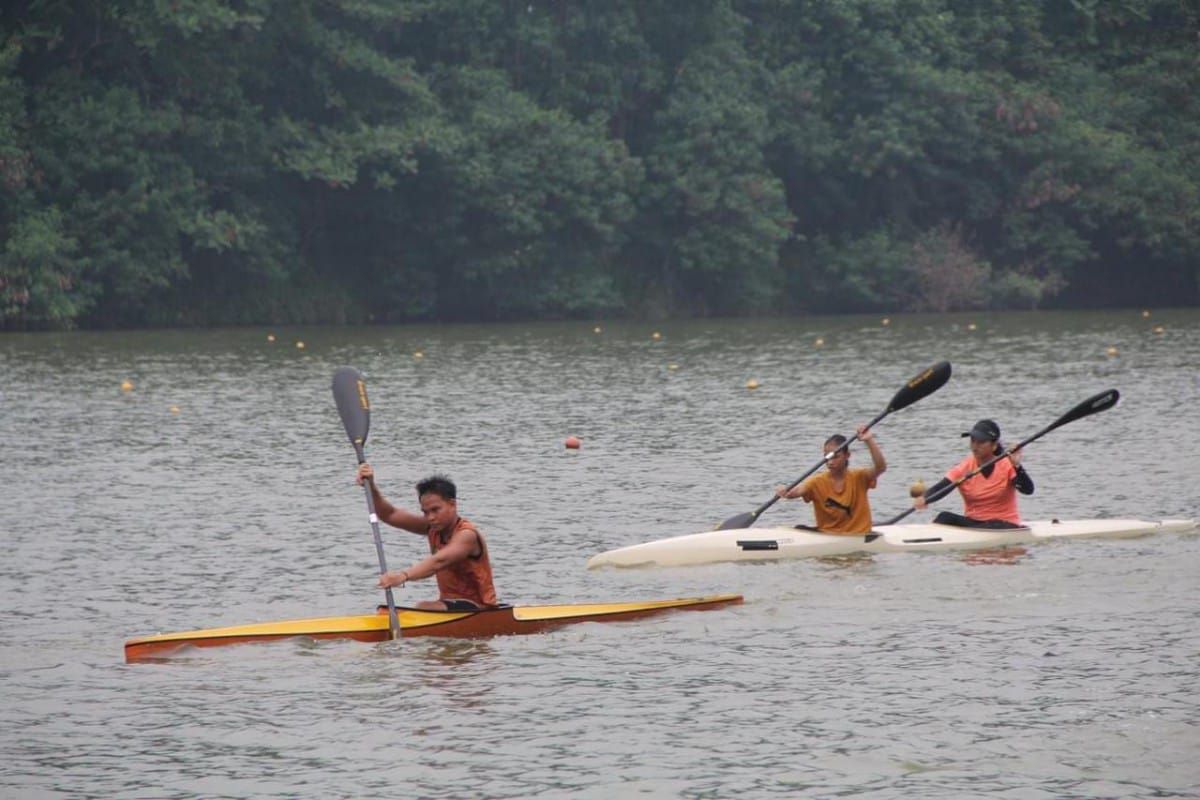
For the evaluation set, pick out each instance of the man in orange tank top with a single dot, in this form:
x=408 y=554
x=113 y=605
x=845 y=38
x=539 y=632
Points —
x=839 y=495
x=458 y=552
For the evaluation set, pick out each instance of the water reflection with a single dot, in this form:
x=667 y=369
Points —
x=455 y=652
x=846 y=561
x=995 y=556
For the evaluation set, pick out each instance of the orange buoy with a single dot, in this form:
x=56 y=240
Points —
x=126 y=386
x=572 y=443
x=752 y=383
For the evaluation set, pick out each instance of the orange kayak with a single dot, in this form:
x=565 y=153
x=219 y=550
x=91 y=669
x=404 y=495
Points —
x=503 y=621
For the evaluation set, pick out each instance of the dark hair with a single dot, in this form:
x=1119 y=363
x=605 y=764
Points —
x=439 y=485
x=837 y=440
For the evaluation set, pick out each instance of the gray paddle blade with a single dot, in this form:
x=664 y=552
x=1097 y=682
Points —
x=738 y=522
x=350 y=393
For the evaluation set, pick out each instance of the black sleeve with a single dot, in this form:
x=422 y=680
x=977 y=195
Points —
x=1024 y=483
x=937 y=487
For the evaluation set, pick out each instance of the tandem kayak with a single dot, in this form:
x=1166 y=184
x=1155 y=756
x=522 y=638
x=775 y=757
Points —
x=503 y=621
x=778 y=544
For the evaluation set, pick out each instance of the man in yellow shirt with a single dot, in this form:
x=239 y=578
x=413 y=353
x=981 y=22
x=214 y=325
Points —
x=839 y=495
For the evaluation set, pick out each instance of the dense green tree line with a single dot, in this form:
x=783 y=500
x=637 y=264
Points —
x=168 y=162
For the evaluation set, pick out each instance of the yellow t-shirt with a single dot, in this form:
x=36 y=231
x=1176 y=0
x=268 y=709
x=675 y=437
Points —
x=846 y=511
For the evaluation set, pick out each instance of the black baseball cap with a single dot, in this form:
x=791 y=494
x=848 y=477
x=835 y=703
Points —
x=985 y=430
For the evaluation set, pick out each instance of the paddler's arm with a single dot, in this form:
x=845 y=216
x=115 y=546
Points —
x=877 y=460
x=1022 y=482
x=922 y=500
x=392 y=515
x=461 y=546
x=783 y=493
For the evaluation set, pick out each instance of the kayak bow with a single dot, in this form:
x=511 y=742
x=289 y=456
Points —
x=503 y=621
x=780 y=544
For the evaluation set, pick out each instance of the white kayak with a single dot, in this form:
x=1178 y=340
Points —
x=779 y=544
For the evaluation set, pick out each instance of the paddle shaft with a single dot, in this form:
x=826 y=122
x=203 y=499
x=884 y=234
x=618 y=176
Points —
x=1093 y=405
x=393 y=617
x=350 y=394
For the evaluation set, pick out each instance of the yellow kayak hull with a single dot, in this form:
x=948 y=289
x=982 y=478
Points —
x=504 y=621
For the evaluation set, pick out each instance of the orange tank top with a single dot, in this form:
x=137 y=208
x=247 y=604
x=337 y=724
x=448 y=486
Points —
x=469 y=579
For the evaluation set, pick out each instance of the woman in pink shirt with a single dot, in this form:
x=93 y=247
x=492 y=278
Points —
x=989 y=497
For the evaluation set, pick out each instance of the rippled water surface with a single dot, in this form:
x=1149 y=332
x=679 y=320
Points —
x=219 y=491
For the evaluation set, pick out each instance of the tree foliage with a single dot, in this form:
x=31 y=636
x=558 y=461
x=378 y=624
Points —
x=168 y=162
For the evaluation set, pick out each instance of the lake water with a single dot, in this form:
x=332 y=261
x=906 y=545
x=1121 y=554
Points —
x=219 y=491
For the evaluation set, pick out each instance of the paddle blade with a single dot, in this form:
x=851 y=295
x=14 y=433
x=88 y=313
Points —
x=1093 y=405
x=736 y=523
x=350 y=393
x=923 y=385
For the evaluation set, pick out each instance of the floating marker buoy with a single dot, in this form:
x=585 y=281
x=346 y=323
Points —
x=299 y=345
x=126 y=386
x=971 y=326
x=1145 y=313
x=752 y=384
x=174 y=409
x=916 y=488
x=596 y=329
x=885 y=321
x=656 y=335
x=572 y=443
x=270 y=337
x=820 y=342
x=418 y=354
x=1159 y=329
x=672 y=367
x=1110 y=352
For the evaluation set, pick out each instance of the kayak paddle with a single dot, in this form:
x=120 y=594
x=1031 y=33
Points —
x=924 y=384
x=350 y=393
x=1093 y=405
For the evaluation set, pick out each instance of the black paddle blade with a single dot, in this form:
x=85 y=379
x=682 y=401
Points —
x=738 y=522
x=350 y=393
x=923 y=385
x=1093 y=405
